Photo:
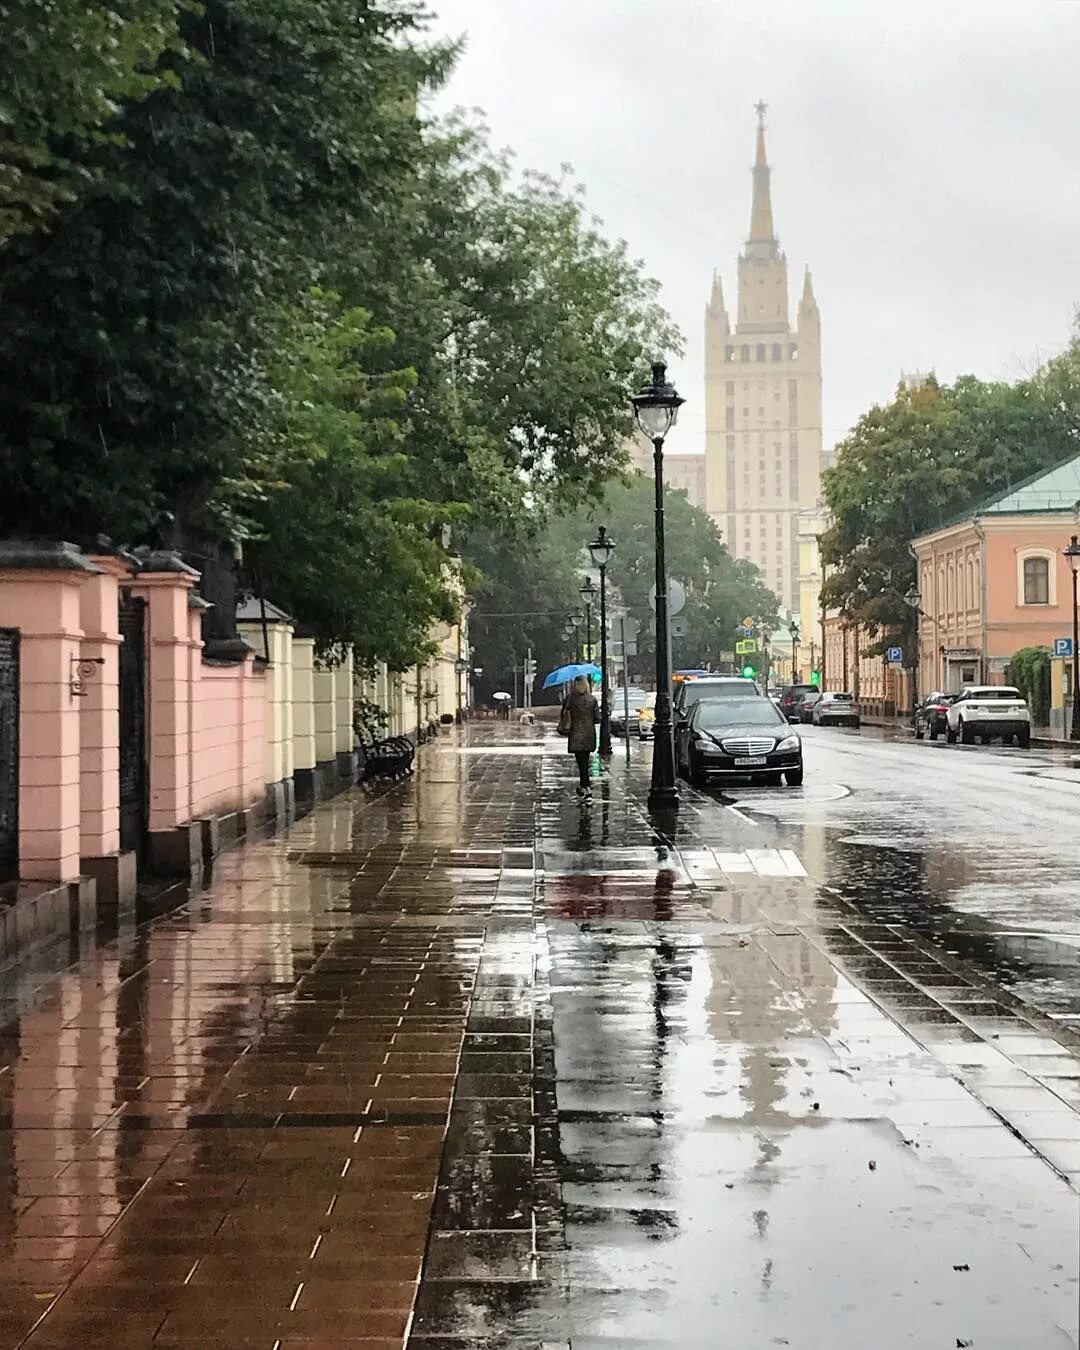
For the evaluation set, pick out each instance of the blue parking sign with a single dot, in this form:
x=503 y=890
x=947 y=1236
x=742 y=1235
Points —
x=895 y=656
x=1063 y=647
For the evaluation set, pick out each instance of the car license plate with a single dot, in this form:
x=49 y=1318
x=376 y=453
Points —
x=749 y=761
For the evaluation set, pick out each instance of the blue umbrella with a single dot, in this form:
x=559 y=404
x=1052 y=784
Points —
x=564 y=674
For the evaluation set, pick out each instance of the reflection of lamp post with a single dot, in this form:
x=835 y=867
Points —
x=588 y=593
x=601 y=550
x=656 y=407
x=1073 y=555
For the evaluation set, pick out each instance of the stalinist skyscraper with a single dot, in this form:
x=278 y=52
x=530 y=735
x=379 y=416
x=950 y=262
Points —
x=763 y=402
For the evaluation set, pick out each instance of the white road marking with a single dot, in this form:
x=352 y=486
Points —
x=742 y=816
x=765 y=862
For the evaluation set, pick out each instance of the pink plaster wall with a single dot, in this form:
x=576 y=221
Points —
x=1010 y=624
x=228 y=738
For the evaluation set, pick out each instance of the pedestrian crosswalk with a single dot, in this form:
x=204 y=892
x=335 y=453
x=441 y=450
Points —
x=765 y=862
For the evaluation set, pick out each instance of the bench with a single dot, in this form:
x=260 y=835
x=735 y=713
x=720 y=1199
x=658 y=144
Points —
x=390 y=758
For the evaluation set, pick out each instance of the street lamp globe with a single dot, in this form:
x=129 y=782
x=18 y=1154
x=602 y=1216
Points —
x=1072 y=552
x=587 y=591
x=913 y=596
x=657 y=404
x=601 y=548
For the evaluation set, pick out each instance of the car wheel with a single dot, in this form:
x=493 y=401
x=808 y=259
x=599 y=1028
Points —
x=950 y=736
x=794 y=777
x=1023 y=739
x=919 y=734
x=967 y=734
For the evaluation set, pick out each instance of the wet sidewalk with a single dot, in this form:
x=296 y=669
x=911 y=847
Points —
x=474 y=1064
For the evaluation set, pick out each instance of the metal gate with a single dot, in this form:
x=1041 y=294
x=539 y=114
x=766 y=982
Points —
x=133 y=786
x=9 y=753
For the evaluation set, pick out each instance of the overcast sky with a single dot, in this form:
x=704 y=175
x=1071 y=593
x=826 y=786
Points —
x=926 y=162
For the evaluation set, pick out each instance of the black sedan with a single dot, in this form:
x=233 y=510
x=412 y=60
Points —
x=738 y=738
x=931 y=716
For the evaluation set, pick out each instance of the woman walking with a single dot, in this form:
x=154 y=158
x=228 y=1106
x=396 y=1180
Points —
x=578 y=722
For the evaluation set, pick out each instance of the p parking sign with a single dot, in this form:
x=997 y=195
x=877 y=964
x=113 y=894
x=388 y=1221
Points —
x=1063 y=646
x=895 y=656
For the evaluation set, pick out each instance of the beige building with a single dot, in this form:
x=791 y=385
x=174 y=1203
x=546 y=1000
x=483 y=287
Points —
x=682 y=472
x=763 y=403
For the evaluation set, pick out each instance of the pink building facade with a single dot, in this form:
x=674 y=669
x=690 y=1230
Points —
x=997 y=581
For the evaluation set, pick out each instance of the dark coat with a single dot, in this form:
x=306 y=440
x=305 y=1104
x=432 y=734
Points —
x=584 y=716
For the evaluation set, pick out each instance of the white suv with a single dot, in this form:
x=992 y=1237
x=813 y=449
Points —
x=989 y=711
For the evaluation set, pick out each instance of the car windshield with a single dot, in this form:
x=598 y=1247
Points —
x=712 y=714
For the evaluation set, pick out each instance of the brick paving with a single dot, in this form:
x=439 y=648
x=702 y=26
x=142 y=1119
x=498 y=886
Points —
x=470 y=1064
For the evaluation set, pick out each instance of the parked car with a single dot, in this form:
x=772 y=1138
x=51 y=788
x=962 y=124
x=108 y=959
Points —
x=931 y=716
x=632 y=699
x=737 y=738
x=989 y=712
x=804 y=708
x=791 y=696
x=835 y=710
x=691 y=691
x=647 y=717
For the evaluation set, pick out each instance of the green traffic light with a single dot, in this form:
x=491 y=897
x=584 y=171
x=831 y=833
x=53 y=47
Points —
x=748 y=672
x=815 y=677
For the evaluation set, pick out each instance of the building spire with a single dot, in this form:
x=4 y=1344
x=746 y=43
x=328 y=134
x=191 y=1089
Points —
x=761 y=221
x=808 y=301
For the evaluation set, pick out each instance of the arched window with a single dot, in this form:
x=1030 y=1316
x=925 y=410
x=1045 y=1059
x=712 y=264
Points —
x=971 y=600
x=777 y=354
x=729 y=353
x=744 y=352
x=793 y=351
x=761 y=351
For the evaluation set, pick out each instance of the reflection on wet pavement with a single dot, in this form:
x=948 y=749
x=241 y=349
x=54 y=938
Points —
x=474 y=1064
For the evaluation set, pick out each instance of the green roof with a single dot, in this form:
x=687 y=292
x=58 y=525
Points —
x=1056 y=490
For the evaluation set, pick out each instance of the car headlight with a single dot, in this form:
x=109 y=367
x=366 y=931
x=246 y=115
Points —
x=789 y=743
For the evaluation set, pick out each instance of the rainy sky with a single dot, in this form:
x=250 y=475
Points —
x=926 y=162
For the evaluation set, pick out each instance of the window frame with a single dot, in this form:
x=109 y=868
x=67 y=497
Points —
x=1036 y=554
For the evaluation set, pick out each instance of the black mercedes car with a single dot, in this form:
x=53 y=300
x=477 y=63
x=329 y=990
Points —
x=932 y=716
x=738 y=738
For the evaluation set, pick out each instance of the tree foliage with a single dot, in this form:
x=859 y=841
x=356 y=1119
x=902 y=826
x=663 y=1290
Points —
x=931 y=454
x=285 y=304
x=1029 y=671
x=529 y=593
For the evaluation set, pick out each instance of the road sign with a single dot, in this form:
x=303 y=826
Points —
x=748 y=623
x=1063 y=647
x=589 y=653
x=745 y=646
x=678 y=628
x=895 y=656
x=676 y=597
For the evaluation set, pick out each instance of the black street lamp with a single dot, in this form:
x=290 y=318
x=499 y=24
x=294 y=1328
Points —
x=600 y=550
x=793 y=629
x=656 y=407
x=913 y=599
x=1073 y=555
x=587 y=591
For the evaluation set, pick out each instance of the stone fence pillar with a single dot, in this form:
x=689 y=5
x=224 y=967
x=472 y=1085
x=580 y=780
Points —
x=303 y=710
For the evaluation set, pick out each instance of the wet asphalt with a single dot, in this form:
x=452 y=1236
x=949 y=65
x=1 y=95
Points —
x=471 y=1063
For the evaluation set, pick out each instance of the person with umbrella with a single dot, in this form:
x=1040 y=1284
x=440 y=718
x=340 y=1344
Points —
x=578 y=721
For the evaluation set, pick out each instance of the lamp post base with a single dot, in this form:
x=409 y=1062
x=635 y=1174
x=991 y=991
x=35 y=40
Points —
x=663 y=798
x=1074 y=729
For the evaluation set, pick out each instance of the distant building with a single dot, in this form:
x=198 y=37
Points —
x=763 y=403
x=682 y=472
x=914 y=379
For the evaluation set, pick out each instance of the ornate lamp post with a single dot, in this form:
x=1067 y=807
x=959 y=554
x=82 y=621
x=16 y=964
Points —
x=793 y=629
x=588 y=593
x=600 y=550
x=656 y=407
x=1073 y=555
x=913 y=599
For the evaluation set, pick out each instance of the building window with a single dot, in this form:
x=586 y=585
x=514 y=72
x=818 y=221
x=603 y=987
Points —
x=1035 y=576
x=730 y=419
x=744 y=352
x=761 y=351
x=731 y=443
x=793 y=352
x=730 y=388
x=729 y=353
x=777 y=354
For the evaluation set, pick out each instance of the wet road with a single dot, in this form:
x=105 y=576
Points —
x=469 y=1063
x=976 y=845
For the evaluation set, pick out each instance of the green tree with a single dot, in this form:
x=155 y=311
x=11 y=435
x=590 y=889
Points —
x=66 y=68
